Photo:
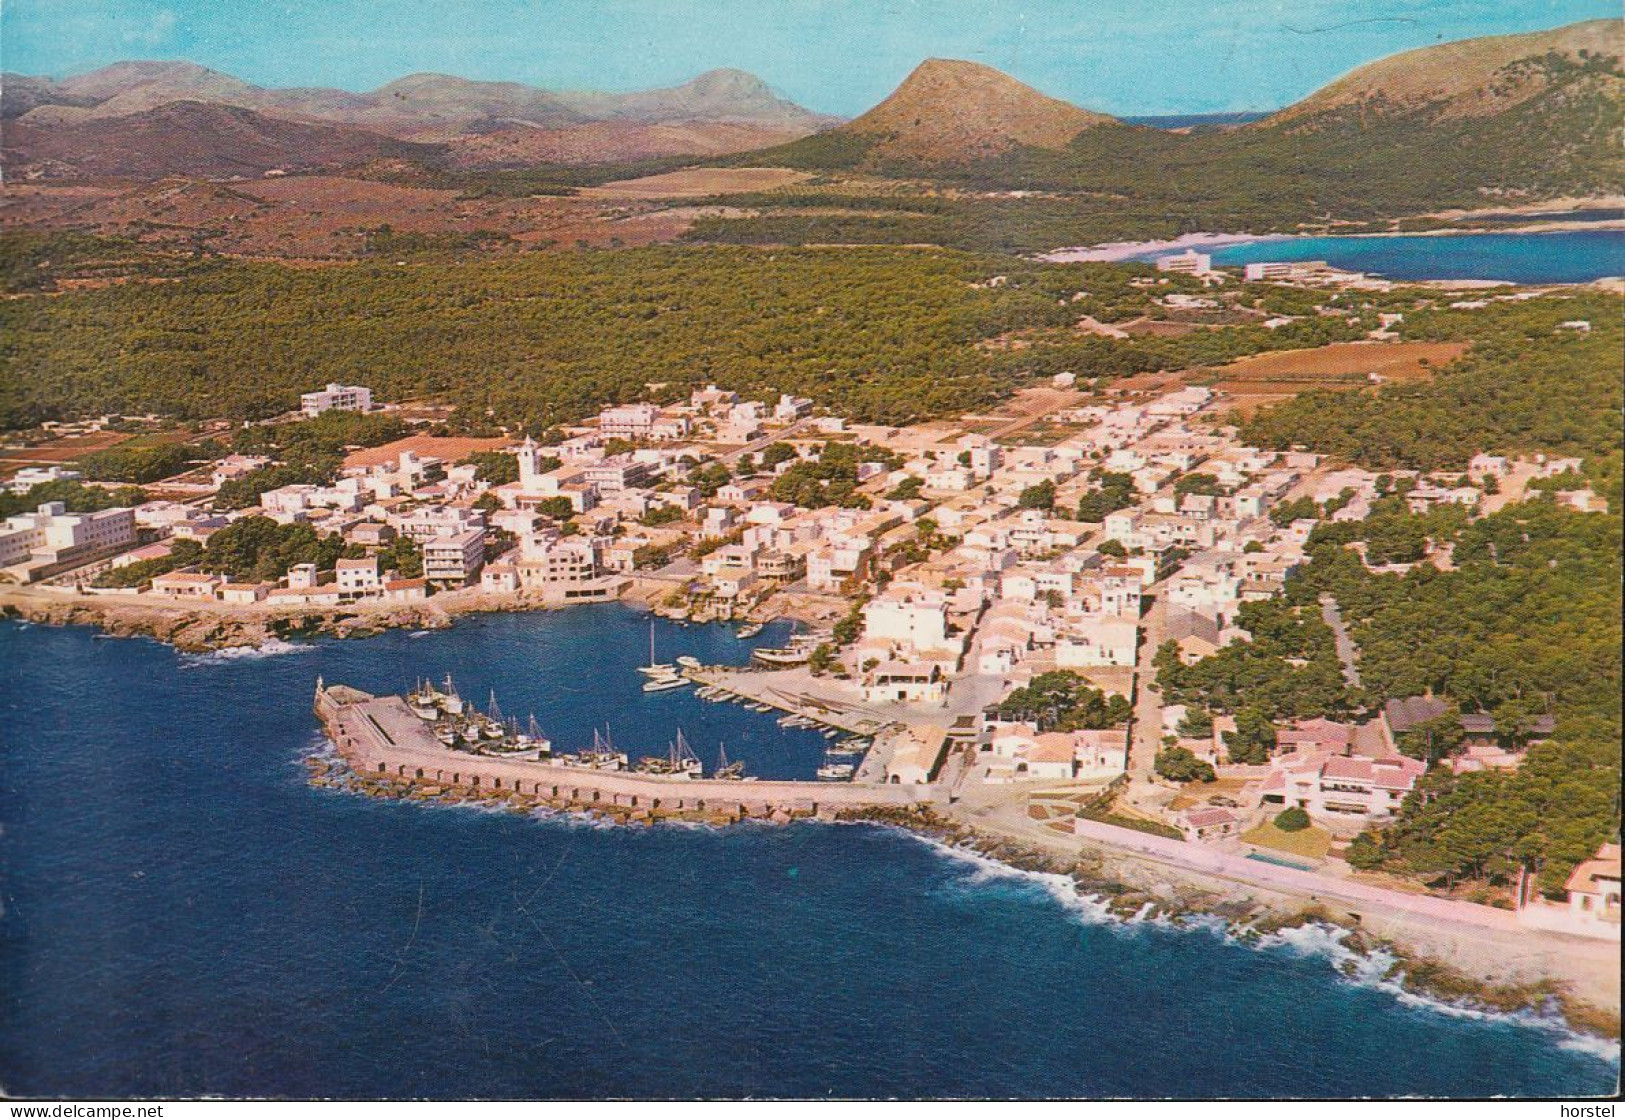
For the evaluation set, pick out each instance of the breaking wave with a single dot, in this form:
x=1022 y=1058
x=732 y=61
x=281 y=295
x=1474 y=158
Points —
x=276 y=647
x=1373 y=969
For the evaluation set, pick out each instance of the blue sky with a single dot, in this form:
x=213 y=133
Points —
x=838 y=56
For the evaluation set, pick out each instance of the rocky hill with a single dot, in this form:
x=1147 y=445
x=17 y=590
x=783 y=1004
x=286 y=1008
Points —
x=954 y=112
x=195 y=138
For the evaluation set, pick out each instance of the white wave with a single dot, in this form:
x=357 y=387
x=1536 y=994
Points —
x=1087 y=908
x=1373 y=969
x=276 y=647
x=1607 y=1049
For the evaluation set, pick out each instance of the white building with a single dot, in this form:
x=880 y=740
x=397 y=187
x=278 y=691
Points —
x=1189 y=262
x=51 y=536
x=336 y=398
x=29 y=477
x=454 y=560
x=628 y=421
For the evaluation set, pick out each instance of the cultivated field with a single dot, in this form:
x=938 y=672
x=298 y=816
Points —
x=1266 y=378
x=451 y=449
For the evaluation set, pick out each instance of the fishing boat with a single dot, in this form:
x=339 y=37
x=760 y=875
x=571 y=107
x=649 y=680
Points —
x=603 y=755
x=835 y=771
x=749 y=630
x=727 y=771
x=681 y=760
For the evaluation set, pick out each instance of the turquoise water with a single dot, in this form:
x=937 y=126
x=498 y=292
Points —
x=185 y=915
x=1566 y=257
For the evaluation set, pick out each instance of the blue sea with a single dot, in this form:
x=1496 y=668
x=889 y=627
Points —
x=1565 y=257
x=185 y=915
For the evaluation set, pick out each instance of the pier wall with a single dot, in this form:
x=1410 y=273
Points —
x=381 y=737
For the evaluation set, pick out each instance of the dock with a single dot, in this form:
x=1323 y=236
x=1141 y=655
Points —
x=380 y=737
x=777 y=689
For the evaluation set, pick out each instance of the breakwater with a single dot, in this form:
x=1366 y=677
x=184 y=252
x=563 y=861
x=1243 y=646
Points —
x=381 y=737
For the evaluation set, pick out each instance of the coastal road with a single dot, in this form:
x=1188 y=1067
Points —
x=1482 y=942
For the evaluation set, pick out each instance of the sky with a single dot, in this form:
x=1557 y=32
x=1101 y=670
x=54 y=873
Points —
x=1127 y=57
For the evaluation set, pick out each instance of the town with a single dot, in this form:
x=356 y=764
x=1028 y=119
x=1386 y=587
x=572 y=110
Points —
x=1009 y=599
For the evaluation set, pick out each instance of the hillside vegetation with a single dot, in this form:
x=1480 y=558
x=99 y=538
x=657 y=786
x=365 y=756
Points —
x=1459 y=125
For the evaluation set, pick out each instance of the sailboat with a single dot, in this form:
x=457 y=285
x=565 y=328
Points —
x=727 y=771
x=654 y=668
x=603 y=755
x=683 y=759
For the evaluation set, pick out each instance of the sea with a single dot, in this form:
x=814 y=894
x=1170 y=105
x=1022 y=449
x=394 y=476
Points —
x=1561 y=257
x=186 y=915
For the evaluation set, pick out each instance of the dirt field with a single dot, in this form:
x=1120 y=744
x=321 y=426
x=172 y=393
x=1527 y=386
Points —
x=699 y=182
x=64 y=450
x=1265 y=378
x=322 y=218
x=451 y=449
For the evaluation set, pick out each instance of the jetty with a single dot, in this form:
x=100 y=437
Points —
x=383 y=737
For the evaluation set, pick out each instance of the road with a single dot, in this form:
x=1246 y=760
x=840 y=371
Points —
x=760 y=442
x=1345 y=646
x=1145 y=733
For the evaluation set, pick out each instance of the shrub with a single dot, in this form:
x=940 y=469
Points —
x=1292 y=820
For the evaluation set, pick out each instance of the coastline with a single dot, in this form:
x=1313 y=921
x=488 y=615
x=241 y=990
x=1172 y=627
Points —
x=1482 y=971
x=1124 y=251
x=1501 y=972
x=199 y=628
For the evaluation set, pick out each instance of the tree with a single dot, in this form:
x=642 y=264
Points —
x=775 y=453
x=821 y=660
x=906 y=490
x=403 y=556
x=1292 y=819
x=1061 y=700
x=1253 y=739
x=499 y=468
x=662 y=515
x=1111 y=547
x=559 y=508
x=1040 y=495
x=1177 y=764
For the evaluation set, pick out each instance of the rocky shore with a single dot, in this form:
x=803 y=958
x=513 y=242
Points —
x=198 y=629
x=1450 y=970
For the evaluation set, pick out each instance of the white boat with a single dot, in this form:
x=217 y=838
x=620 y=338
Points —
x=785 y=656
x=749 y=631
x=688 y=662
x=835 y=771
x=664 y=684
x=655 y=668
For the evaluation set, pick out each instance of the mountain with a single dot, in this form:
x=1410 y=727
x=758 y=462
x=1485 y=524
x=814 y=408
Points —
x=948 y=111
x=419 y=106
x=725 y=96
x=1469 y=78
x=197 y=139
x=1461 y=123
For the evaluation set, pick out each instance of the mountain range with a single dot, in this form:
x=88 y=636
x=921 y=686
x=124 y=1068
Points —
x=1537 y=114
x=61 y=127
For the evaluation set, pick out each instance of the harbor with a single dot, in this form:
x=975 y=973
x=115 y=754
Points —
x=431 y=740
